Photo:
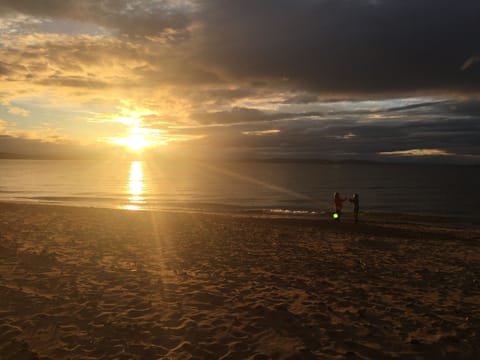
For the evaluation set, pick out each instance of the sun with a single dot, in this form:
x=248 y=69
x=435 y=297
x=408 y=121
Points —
x=137 y=139
x=135 y=142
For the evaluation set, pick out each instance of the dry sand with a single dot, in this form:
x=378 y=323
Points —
x=79 y=283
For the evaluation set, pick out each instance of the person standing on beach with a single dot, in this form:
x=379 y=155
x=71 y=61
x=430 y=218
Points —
x=356 y=205
x=338 y=204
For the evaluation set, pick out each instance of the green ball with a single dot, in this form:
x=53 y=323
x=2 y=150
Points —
x=335 y=215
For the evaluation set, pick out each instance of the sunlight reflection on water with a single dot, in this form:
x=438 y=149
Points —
x=285 y=188
x=135 y=187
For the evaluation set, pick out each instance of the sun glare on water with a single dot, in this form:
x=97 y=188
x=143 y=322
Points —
x=135 y=187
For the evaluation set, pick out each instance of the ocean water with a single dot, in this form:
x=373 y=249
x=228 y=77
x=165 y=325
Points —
x=296 y=189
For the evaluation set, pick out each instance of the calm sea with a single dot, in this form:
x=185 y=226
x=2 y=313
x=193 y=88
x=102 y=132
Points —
x=288 y=188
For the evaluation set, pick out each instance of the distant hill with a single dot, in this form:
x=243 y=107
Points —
x=92 y=156
x=310 y=161
x=4 y=155
x=16 y=156
x=420 y=162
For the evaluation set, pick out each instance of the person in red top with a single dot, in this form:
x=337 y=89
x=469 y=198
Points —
x=338 y=204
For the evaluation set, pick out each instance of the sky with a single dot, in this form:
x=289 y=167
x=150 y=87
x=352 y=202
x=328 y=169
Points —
x=384 y=80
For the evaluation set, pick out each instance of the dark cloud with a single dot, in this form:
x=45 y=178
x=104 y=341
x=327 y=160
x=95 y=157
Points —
x=236 y=115
x=74 y=81
x=222 y=62
x=3 y=69
x=302 y=99
x=246 y=115
x=469 y=108
x=354 y=137
x=339 y=48
x=471 y=61
x=428 y=105
x=361 y=48
x=38 y=148
x=427 y=110
x=219 y=96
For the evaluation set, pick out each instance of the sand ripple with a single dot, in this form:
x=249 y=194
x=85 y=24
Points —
x=89 y=284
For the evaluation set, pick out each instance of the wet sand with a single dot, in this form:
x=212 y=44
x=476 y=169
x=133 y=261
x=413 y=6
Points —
x=79 y=283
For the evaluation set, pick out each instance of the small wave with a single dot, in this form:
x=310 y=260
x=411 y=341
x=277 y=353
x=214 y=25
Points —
x=13 y=192
x=293 y=212
x=80 y=199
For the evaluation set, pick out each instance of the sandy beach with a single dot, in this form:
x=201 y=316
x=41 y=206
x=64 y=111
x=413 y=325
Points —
x=82 y=283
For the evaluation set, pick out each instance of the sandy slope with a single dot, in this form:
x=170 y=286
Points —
x=89 y=283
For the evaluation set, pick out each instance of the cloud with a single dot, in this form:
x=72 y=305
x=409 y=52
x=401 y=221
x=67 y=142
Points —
x=335 y=48
x=18 y=111
x=3 y=125
x=133 y=18
x=65 y=63
x=245 y=115
x=261 y=132
x=471 y=61
x=304 y=98
x=41 y=146
x=349 y=136
x=235 y=115
x=3 y=69
x=417 y=152
x=343 y=47
x=332 y=78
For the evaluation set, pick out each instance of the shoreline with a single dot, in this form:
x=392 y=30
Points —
x=373 y=217
x=83 y=283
